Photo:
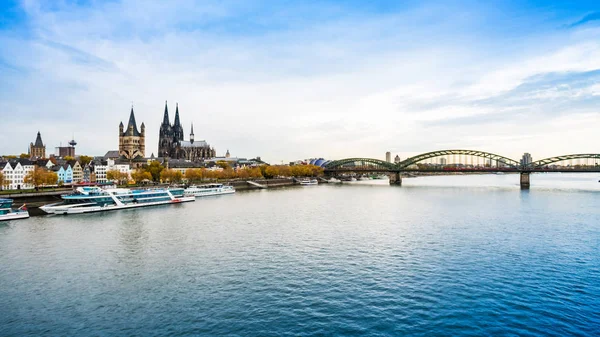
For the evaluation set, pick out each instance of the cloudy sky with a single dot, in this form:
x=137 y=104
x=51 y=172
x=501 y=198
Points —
x=287 y=80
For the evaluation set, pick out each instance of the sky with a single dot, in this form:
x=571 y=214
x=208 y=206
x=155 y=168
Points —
x=288 y=80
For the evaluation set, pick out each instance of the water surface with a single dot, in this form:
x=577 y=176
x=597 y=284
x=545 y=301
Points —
x=439 y=256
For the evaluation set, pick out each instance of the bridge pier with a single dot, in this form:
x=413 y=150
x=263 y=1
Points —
x=396 y=179
x=525 y=180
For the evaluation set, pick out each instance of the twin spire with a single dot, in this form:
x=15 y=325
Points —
x=177 y=123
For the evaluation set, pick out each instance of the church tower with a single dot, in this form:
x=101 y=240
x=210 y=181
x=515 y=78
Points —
x=192 y=135
x=132 y=143
x=38 y=149
x=165 y=135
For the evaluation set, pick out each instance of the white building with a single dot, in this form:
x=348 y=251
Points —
x=15 y=172
x=101 y=167
x=388 y=157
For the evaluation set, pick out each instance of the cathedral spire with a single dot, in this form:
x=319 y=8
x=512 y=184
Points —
x=177 y=123
x=166 y=118
x=192 y=134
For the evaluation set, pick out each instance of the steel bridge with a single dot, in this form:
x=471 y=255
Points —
x=467 y=161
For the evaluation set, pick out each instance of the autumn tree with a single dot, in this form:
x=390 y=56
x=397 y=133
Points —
x=23 y=156
x=154 y=168
x=141 y=175
x=40 y=176
x=223 y=164
x=118 y=176
x=195 y=175
x=68 y=158
x=84 y=160
x=3 y=181
x=171 y=176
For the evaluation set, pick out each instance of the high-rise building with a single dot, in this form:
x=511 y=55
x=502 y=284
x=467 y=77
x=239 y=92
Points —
x=132 y=143
x=388 y=157
x=37 y=150
x=526 y=160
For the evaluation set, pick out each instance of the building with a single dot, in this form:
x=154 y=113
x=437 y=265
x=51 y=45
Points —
x=388 y=157
x=38 y=149
x=132 y=143
x=172 y=145
x=64 y=173
x=397 y=159
x=15 y=172
x=64 y=151
x=526 y=159
x=77 y=171
x=443 y=161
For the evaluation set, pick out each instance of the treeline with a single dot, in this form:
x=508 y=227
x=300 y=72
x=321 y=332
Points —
x=157 y=173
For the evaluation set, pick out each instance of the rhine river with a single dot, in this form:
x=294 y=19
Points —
x=439 y=256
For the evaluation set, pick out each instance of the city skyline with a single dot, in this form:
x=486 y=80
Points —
x=294 y=81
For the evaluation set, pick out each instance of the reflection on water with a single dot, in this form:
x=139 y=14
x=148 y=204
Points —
x=441 y=255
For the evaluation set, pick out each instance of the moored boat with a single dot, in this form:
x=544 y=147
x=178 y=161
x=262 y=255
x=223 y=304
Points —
x=96 y=199
x=208 y=189
x=8 y=213
x=334 y=181
x=309 y=182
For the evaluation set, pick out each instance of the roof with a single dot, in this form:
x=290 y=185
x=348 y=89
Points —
x=38 y=140
x=130 y=124
x=112 y=154
x=198 y=143
x=181 y=163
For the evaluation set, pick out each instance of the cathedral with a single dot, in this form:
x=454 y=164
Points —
x=172 y=145
x=132 y=143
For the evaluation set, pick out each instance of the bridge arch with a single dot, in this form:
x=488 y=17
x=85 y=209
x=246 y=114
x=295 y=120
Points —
x=354 y=163
x=543 y=162
x=486 y=155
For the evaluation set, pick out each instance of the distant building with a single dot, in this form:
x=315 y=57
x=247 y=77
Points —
x=388 y=157
x=443 y=161
x=172 y=145
x=132 y=143
x=526 y=159
x=15 y=171
x=397 y=159
x=37 y=150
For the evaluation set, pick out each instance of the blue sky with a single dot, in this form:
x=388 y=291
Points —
x=295 y=79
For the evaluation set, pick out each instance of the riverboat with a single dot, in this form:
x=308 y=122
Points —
x=95 y=199
x=334 y=181
x=8 y=213
x=208 y=189
x=309 y=182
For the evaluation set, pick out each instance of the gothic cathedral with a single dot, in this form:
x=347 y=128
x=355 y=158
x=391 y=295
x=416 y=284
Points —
x=132 y=143
x=172 y=145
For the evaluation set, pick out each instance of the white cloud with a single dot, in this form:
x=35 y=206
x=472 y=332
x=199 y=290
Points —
x=344 y=86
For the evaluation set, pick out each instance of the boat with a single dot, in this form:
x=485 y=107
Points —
x=334 y=181
x=91 y=199
x=209 y=189
x=309 y=182
x=8 y=213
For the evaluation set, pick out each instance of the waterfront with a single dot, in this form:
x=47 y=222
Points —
x=442 y=255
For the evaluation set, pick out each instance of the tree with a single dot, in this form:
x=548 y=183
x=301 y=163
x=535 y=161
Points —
x=35 y=177
x=223 y=164
x=118 y=176
x=3 y=181
x=194 y=175
x=68 y=158
x=141 y=175
x=84 y=160
x=154 y=168
x=23 y=155
x=170 y=175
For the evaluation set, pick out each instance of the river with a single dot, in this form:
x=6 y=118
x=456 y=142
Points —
x=440 y=256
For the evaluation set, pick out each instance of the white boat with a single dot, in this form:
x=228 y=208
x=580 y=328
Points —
x=209 y=189
x=95 y=199
x=309 y=182
x=334 y=181
x=8 y=213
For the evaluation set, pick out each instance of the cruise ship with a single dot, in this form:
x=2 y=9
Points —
x=96 y=199
x=8 y=213
x=208 y=189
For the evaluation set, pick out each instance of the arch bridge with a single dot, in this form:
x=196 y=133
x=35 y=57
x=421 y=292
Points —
x=465 y=161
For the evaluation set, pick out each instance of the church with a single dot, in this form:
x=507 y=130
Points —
x=132 y=143
x=172 y=145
